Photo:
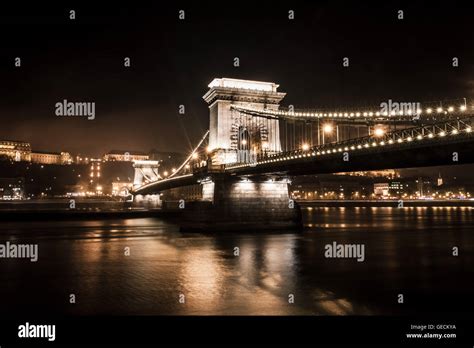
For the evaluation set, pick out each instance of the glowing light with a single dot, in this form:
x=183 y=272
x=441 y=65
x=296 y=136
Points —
x=328 y=128
x=468 y=129
x=379 y=132
x=450 y=109
x=244 y=142
x=429 y=111
x=442 y=133
x=265 y=144
x=305 y=147
x=439 y=110
x=463 y=108
x=243 y=84
x=195 y=155
x=165 y=173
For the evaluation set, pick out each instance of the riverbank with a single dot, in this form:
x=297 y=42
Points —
x=81 y=209
x=387 y=203
x=59 y=209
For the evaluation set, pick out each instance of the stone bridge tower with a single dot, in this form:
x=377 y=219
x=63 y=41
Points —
x=231 y=131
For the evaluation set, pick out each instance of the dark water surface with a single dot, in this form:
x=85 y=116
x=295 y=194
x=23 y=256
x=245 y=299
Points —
x=407 y=251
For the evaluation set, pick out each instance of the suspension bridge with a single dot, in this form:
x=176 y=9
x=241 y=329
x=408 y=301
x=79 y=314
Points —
x=243 y=163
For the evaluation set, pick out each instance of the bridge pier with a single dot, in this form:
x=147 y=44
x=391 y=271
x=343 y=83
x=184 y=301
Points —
x=233 y=203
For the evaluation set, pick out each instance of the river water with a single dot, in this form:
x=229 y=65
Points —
x=408 y=251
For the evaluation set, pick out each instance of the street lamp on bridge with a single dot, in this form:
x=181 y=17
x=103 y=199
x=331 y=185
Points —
x=379 y=132
x=328 y=128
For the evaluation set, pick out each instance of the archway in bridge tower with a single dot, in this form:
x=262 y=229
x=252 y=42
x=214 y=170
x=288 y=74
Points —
x=244 y=141
x=250 y=136
x=256 y=141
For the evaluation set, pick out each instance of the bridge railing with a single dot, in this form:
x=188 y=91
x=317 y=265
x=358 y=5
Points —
x=455 y=127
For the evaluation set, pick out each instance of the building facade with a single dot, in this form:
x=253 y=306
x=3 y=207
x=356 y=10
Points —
x=381 y=189
x=15 y=150
x=51 y=157
x=125 y=156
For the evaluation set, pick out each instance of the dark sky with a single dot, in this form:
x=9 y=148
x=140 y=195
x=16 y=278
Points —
x=173 y=61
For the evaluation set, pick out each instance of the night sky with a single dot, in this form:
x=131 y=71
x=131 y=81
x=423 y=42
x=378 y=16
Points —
x=172 y=62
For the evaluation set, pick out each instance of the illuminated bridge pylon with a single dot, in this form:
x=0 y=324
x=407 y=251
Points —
x=145 y=172
x=232 y=134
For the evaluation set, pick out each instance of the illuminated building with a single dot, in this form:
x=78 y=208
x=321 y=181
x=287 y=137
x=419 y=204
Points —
x=46 y=157
x=381 y=189
x=125 y=156
x=51 y=157
x=15 y=150
x=396 y=187
x=95 y=176
x=388 y=173
x=66 y=158
x=440 y=180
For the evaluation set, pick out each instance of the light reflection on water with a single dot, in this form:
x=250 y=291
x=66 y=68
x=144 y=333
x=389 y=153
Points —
x=407 y=250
